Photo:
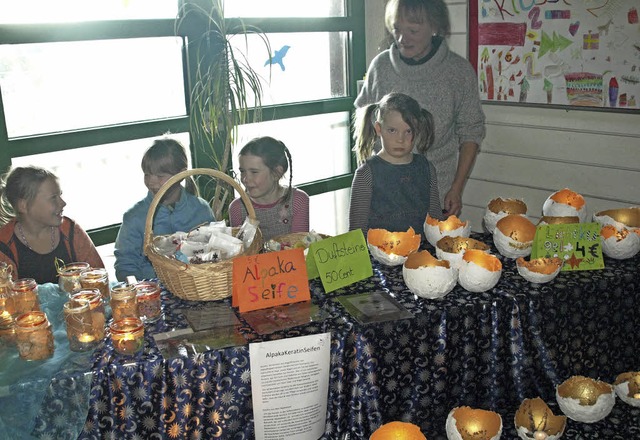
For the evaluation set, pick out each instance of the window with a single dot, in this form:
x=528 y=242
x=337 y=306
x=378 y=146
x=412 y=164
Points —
x=303 y=66
x=86 y=93
x=53 y=87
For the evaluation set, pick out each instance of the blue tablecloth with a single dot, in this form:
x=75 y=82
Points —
x=489 y=350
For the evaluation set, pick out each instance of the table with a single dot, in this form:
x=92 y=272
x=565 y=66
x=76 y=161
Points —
x=488 y=350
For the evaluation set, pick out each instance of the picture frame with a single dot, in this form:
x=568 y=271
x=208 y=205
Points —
x=583 y=55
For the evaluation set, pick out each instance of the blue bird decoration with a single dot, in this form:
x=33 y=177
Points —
x=278 y=56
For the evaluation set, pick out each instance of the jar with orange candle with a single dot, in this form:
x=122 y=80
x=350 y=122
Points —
x=7 y=307
x=124 y=303
x=34 y=336
x=77 y=317
x=149 y=301
x=25 y=296
x=96 y=278
x=96 y=306
x=127 y=335
x=69 y=276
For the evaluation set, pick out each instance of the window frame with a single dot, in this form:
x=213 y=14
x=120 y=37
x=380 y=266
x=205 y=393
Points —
x=353 y=24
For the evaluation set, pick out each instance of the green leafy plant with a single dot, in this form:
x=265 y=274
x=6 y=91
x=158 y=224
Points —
x=225 y=90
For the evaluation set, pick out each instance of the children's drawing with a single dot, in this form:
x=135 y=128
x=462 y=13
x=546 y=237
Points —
x=584 y=53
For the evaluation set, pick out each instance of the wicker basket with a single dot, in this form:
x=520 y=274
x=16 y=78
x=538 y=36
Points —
x=196 y=282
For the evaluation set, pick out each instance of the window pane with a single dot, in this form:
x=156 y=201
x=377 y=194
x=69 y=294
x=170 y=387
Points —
x=323 y=155
x=52 y=87
x=284 y=8
x=306 y=66
x=85 y=172
x=329 y=212
x=50 y=11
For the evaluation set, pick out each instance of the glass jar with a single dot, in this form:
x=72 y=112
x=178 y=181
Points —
x=98 y=317
x=69 y=276
x=124 y=303
x=127 y=335
x=25 y=296
x=77 y=318
x=96 y=278
x=7 y=307
x=34 y=337
x=149 y=302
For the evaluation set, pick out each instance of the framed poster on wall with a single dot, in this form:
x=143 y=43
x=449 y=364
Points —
x=557 y=52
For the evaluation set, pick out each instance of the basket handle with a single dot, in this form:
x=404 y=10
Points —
x=182 y=175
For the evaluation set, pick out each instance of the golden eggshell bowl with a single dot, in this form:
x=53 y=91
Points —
x=498 y=208
x=465 y=423
x=398 y=431
x=480 y=271
x=452 y=249
x=539 y=270
x=435 y=229
x=619 y=244
x=551 y=220
x=565 y=203
x=628 y=218
x=627 y=386
x=428 y=277
x=392 y=248
x=584 y=399
x=534 y=417
x=513 y=236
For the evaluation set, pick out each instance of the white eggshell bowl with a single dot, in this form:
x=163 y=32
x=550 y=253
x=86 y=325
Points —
x=460 y=245
x=572 y=407
x=628 y=218
x=454 y=434
x=498 y=208
x=510 y=243
x=430 y=282
x=384 y=258
x=475 y=278
x=535 y=420
x=539 y=270
x=621 y=248
x=622 y=390
x=433 y=232
x=557 y=209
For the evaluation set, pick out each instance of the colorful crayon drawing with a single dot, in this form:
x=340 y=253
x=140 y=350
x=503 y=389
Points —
x=580 y=53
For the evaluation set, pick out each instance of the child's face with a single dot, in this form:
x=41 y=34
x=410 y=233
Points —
x=396 y=138
x=153 y=182
x=47 y=207
x=260 y=183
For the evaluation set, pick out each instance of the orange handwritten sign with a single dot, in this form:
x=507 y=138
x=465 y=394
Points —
x=271 y=279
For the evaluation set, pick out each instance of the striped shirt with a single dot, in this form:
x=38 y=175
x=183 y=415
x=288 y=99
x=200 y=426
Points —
x=392 y=196
x=275 y=218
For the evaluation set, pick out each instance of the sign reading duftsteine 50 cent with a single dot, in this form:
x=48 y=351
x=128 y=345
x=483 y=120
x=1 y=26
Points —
x=340 y=261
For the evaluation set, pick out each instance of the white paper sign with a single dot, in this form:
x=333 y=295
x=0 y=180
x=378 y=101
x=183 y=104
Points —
x=289 y=387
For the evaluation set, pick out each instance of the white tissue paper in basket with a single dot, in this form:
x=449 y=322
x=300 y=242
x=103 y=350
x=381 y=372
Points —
x=206 y=243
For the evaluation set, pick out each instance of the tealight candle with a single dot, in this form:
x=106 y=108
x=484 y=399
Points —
x=77 y=317
x=149 y=302
x=96 y=278
x=124 y=303
x=34 y=337
x=97 y=310
x=25 y=296
x=127 y=335
x=69 y=276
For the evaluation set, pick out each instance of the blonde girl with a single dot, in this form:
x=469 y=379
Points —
x=280 y=209
x=395 y=188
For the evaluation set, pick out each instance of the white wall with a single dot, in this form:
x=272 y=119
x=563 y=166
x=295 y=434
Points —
x=529 y=153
